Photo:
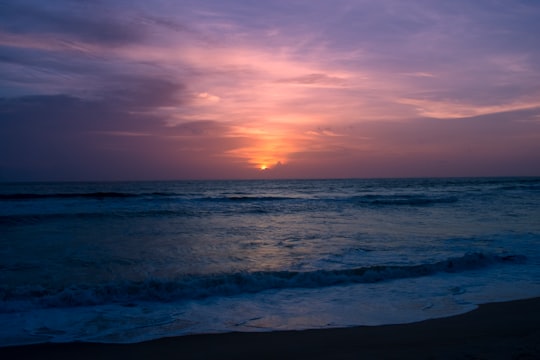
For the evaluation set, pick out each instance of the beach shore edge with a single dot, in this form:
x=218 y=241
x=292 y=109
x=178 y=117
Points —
x=503 y=330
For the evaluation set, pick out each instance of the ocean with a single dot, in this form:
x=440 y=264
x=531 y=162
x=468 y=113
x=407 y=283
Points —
x=123 y=262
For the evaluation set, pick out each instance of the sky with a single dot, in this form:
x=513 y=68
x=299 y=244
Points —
x=249 y=89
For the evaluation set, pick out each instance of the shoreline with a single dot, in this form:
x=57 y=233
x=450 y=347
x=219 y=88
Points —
x=505 y=330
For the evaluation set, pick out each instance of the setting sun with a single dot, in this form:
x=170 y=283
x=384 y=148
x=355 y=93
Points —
x=267 y=148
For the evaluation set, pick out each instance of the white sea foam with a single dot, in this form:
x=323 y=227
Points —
x=395 y=301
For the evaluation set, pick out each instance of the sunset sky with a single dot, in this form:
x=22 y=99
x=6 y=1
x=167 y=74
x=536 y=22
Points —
x=226 y=89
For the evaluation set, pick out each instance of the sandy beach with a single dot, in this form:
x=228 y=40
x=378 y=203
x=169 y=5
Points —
x=509 y=330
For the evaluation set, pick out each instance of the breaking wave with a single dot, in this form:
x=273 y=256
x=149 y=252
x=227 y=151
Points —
x=231 y=284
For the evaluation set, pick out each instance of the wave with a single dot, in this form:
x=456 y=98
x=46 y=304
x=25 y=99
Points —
x=204 y=286
x=91 y=195
x=404 y=199
x=28 y=219
x=370 y=199
x=525 y=187
x=258 y=198
x=122 y=195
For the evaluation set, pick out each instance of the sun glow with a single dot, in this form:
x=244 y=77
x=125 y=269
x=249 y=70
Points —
x=267 y=146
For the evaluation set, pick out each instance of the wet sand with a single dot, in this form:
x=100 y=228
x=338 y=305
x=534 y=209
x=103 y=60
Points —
x=509 y=330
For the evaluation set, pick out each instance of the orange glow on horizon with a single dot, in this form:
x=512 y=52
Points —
x=265 y=157
x=269 y=144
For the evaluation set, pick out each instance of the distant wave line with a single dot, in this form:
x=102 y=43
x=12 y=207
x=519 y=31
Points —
x=381 y=199
x=92 y=195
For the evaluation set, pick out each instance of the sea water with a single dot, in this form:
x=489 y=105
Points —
x=131 y=261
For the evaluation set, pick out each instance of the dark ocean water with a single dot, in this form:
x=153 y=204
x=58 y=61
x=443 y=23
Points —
x=130 y=261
